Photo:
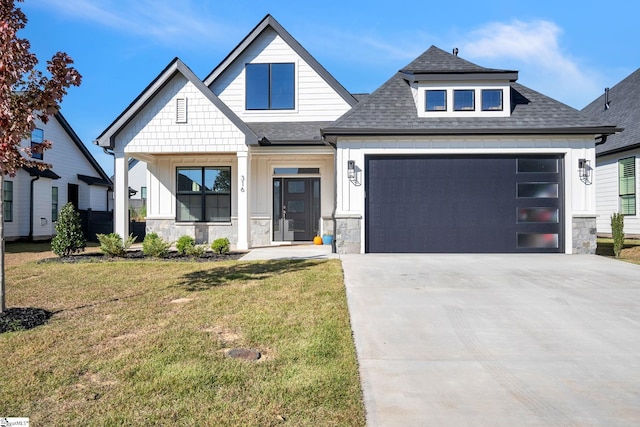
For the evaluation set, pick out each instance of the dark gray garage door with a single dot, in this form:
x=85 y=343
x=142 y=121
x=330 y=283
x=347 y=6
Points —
x=464 y=204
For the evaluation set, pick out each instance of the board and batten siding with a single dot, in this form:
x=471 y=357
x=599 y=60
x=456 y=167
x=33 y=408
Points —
x=155 y=129
x=607 y=193
x=315 y=99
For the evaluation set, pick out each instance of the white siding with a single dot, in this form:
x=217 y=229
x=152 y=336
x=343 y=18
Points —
x=154 y=129
x=579 y=197
x=607 y=193
x=315 y=100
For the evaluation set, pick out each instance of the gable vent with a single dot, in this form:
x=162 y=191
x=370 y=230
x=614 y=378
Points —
x=181 y=110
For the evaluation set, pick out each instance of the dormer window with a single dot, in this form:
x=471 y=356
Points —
x=270 y=86
x=436 y=100
x=492 y=100
x=37 y=138
x=464 y=100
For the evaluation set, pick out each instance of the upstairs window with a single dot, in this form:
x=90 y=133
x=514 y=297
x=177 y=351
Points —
x=627 y=185
x=37 y=138
x=270 y=86
x=464 y=100
x=492 y=100
x=436 y=100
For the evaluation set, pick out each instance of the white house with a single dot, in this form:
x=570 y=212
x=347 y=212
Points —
x=33 y=198
x=618 y=160
x=447 y=156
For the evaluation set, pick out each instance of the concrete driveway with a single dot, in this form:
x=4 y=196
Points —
x=496 y=340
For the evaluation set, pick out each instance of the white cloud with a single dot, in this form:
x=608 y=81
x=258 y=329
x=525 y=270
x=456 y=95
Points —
x=534 y=48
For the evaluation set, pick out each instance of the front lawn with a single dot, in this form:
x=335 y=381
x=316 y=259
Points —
x=630 y=250
x=144 y=343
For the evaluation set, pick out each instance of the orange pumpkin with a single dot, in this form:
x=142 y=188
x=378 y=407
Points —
x=317 y=240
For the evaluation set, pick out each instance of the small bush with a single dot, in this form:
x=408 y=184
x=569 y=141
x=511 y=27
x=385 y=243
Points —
x=197 y=251
x=112 y=244
x=154 y=246
x=221 y=246
x=617 y=230
x=184 y=244
x=69 y=238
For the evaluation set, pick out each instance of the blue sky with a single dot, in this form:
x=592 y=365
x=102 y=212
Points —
x=569 y=50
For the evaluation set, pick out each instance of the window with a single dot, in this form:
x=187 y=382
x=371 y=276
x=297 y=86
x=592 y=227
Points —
x=270 y=86
x=492 y=100
x=8 y=201
x=143 y=193
x=37 y=138
x=627 y=185
x=464 y=100
x=54 y=203
x=436 y=100
x=204 y=194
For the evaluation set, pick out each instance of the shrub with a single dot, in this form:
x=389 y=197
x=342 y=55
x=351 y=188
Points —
x=617 y=230
x=112 y=244
x=184 y=244
x=197 y=251
x=221 y=246
x=69 y=238
x=154 y=246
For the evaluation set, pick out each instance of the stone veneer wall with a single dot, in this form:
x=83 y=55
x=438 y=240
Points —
x=260 y=232
x=584 y=235
x=347 y=235
x=170 y=230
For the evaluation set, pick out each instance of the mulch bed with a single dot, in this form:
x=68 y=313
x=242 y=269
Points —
x=20 y=319
x=138 y=256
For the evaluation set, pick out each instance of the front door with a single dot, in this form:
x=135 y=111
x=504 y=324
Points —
x=296 y=209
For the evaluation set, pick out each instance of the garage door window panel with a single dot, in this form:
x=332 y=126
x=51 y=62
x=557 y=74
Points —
x=538 y=240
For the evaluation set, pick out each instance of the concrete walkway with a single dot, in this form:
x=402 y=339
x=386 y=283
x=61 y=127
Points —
x=496 y=340
x=290 y=252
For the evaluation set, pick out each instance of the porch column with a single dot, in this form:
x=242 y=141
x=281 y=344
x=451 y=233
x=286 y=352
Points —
x=121 y=195
x=243 y=201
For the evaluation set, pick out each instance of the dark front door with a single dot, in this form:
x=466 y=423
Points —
x=296 y=208
x=72 y=194
x=463 y=204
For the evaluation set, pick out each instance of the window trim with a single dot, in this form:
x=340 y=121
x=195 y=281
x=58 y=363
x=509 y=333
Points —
x=631 y=195
x=7 y=202
x=203 y=194
x=35 y=143
x=269 y=106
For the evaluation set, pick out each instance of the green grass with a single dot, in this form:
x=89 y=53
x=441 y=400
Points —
x=144 y=343
x=605 y=246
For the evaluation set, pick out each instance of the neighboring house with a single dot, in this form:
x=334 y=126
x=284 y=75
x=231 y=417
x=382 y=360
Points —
x=446 y=156
x=33 y=198
x=618 y=161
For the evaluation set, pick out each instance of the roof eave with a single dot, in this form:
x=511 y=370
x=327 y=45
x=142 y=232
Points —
x=418 y=76
x=596 y=130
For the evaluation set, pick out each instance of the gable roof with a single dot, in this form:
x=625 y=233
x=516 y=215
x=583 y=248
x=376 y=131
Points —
x=624 y=110
x=83 y=149
x=391 y=109
x=270 y=22
x=107 y=137
x=296 y=133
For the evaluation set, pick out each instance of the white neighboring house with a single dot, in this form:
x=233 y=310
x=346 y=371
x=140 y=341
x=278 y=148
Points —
x=618 y=160
x=33 y=198
x=269 y=149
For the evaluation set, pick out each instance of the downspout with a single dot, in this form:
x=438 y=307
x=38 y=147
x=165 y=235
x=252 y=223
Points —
x=31 y=207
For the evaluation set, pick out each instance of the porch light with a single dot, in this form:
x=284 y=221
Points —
x=584 y=170
x=351 y=169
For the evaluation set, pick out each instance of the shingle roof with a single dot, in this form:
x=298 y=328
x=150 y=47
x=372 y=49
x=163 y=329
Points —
x=46 y=173
x=288 y=132
x=436 y=60
x=624 y=111
x=391 y=109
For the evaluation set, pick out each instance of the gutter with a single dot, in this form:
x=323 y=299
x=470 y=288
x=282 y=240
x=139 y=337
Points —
x=33 y=180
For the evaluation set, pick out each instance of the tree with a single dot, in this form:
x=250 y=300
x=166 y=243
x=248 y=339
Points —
x=69 y=237
x=26 y=94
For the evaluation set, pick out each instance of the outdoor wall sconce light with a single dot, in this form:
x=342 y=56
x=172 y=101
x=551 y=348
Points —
x=584 y=171
x=351 y=169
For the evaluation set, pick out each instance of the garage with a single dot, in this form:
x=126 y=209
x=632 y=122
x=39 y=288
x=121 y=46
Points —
x=464 y=204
